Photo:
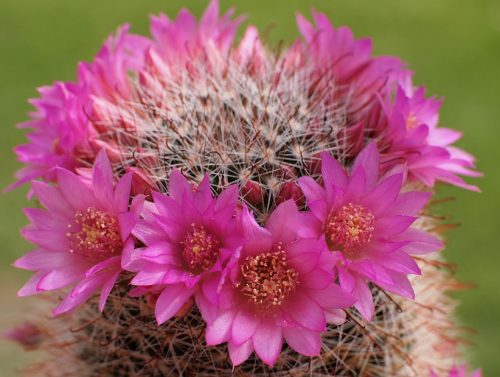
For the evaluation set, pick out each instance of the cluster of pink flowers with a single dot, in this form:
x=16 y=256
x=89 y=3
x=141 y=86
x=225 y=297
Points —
x=255 y=284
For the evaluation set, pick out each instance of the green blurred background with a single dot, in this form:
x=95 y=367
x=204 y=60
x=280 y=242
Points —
x=453 y=45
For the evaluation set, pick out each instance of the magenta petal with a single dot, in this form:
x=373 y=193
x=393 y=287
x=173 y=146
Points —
x=311 y=189
x=303 y=341
x=244 y=327
x=384 y=194
x=226 y=202
x=319 y=209
x=239 y=354
x=149 y=275
x=203 y=195
x=333 y=173
x=166 y=205
x=267 y=342
x=347 y=280
x=369 y=160
x=210 y=287
x=305 y=28
x=126 y=222
x=333 y=297
x=401 y=286
x=148 y=232
x=177 y=186
x=47 y=239
x=160 y=253
x=398 y=261
x=122 y=193
x=106 y=290
x=30 y=287
x=43 y=219
x=336 y=316
x=421 y=242
x=364 y=299
x=257 y=239
x=130 y=258
x=53 y=199
x=42 y=260
x=170 y=301
x=76 y=192
x=284 y=222
x=111 y=264
x=103 y=180
x=409 y=203
x=207 y=309
x=306 y=311
x=219 y=331
x=356 y=186
x=316 y=279
x=60 y=278
x=81 y=293
x=393 y=225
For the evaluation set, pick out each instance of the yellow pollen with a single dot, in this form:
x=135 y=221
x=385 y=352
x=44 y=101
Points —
x=349 y=229
x=267 y=280
x=94 y=235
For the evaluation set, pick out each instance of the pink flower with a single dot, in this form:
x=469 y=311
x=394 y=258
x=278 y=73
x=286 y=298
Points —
x=459 y=372
x=60 y=133
x=182 y=39
x=408 y=133
x=80 y=235
x=189 y=236
x=66 y=129
x=357 y=76
x=279 y=286
x=366 y=223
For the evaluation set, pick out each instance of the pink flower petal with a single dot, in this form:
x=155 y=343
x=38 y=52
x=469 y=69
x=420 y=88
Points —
x=122 y=193
x=219 y=331
x=177 y=186
x=311 y=189
x=284 y=222
x=207 y=309
x=103 y=180
x=170 y=301
x=267 y=342
x=53 y=199
x=257 y=239
x=30 y=287
x=244 y=326
x=60 y=278
x=239 y=354
x=384 y=194
x=364 y=300
x=333 y=173
x=303 y=341
x=393 y=225
x=306 y=311
x=70 y=184
x=332 y=297
x=409 y=203
x=356 y=186
x=42 y=260
x=369 y=160
x=106 y=289
x=81 y=293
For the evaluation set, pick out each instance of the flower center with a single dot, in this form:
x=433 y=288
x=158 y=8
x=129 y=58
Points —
x=94 y=235
x=200 y=249
x=267 y=280
x=349 y=229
